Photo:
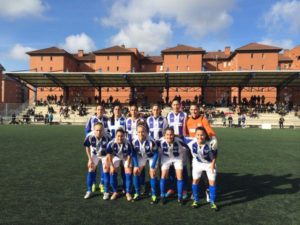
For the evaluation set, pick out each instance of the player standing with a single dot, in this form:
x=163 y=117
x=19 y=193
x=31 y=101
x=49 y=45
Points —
x=99 y=117
x=95 y=146
x=171 y=153
x=146 y=150
x=131 y=122
x=177 y=119
x=156 y=123
x=204 y=159
x=119 y=150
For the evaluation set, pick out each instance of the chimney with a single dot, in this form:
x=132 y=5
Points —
x=80 y=53
x=227 y=50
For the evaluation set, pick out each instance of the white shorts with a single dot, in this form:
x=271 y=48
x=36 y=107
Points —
x=199 y=167
x=166 y=162
x=143 y=160
x=96 y=159
x=116 y=161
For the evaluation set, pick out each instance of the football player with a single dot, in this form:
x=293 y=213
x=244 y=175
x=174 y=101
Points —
x=177 y=120
x=197 y=119
x=119 y=150
x=156 y=123
x=102 y=118
x=204 y=159
x=145 y=149
x=171 y=153
x=131 y=122
x=95 y=145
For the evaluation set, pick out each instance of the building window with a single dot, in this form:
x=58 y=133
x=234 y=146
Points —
x=177 y=68
x=41 y=68
x=262 y=67
x=177 y=56
x=187 y=56
x=117 y=57
x=50 y=68
x=252 y=55
x=290 y=65
x=42 y=58
x=117 y=68
x=50 y=58
x=263 y=55
x=108 y=57
x=251 y=67
x=107 y=69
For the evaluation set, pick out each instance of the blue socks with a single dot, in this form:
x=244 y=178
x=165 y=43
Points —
x=114 y=182
x=106 y=182
x=90 y=179
x=195 y=189
x=101 y=174
x=153 y=185
x=136 y=182
x=162 y=187
x=179 y=188
x=212 y=193
x=128 y=182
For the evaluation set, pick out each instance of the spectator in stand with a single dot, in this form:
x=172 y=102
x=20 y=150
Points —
x=230 y=120
x=243 y=120
x=224 y=120
x=281 y=121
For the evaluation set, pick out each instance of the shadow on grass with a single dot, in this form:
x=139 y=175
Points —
x=235 y=188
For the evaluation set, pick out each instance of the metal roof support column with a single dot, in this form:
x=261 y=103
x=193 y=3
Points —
x=66 y=95
x=278 y=90
x=35 y=94
x=167 y=88
x=202 y=95
x=100 y=94
x=132 y=95
x=240 y=95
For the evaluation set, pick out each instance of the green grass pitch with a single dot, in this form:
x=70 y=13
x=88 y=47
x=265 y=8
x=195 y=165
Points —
x=43 y=173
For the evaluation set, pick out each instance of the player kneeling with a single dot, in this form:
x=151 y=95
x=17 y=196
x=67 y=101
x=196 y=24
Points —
x=95 y=144
x=119 y=150
x=145 y=150
x=172 y=150
x=204 y=159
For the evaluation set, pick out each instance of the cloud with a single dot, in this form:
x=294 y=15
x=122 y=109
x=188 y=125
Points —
x=76 y=42
x=283 y=15
x=19 y=9
x=284 y=43
x=18 y=52
x=147 y=36
x=196 y=17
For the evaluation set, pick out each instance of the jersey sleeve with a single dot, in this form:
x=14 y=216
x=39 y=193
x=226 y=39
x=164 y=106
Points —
x=208 y=128
x=88 y=126
x=109 y=149
x=87 y=142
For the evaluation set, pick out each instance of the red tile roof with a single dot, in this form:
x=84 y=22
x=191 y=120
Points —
x=283 y=58
x=182 y=48
x=152 y=60
x=86 y=57
x=214 y=55
x=258 y=47
x=49 y=51
x=114 y=50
